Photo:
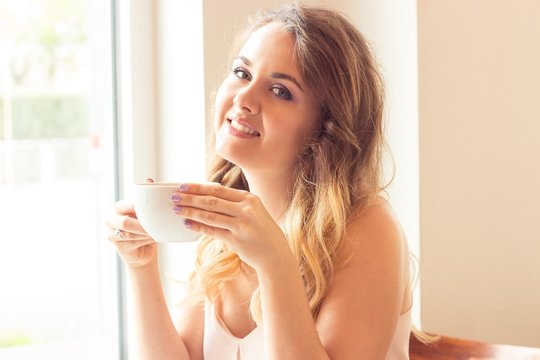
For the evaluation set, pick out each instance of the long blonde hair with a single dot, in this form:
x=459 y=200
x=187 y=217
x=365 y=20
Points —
x=339 y=169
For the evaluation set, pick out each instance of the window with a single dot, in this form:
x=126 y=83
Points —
x=57 y=271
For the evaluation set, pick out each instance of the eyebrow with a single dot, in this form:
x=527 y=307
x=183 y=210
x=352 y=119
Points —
x=275 y=75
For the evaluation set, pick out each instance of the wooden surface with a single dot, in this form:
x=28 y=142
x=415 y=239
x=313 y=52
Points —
x=449 y=348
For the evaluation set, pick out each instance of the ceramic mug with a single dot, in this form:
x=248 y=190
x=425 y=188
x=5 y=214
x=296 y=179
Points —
x=152 y=203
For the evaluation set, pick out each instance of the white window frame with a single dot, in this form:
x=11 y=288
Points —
x=160 y=114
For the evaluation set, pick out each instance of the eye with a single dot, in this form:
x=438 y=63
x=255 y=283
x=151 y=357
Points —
x=282 y=92
x=241 y=73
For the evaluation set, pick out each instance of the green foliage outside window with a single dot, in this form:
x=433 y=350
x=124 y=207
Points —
x=49 y=117
x=14 y=338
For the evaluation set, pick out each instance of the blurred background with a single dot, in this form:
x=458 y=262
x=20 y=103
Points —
x=96 y=95
x=57 y=283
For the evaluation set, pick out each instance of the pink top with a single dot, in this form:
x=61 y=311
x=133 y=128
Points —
x=220 y=344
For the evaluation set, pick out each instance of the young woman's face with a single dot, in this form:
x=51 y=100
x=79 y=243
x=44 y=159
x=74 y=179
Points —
x=264 y=111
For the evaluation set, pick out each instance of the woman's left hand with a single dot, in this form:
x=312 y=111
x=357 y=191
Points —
x=236 y=217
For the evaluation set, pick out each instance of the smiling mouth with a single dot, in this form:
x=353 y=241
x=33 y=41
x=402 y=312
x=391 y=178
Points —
x=242 y=128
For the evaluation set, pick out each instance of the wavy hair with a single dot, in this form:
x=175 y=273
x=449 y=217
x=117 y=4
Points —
x=339 y=169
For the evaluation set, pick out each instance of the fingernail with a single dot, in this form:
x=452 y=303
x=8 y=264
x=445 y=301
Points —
x=175 y=198
x=188 y=223
x=183 y=187
x=177 y=209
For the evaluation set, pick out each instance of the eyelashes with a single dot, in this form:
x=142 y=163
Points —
x=279 y=91
x=241 y=73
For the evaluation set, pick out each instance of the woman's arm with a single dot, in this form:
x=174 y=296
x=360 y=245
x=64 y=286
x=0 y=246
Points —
x=358 y=318
x=289 y=329
x=155 y=336
x=359 y=315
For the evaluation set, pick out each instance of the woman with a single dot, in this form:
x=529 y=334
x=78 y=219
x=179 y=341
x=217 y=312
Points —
x=300 y=257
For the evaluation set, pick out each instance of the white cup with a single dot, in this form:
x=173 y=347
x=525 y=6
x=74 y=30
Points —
x=152 y=203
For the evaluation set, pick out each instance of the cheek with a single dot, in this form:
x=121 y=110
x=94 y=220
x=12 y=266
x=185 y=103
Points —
x=304 y=129
x=289 y=141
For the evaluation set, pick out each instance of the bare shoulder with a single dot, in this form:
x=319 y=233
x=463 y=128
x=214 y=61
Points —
x=375 y=228
x=189 y=321
x=359 y=315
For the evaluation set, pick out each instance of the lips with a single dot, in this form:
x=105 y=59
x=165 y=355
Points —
x=242 y=127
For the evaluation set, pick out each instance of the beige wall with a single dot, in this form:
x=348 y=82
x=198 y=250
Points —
x=479 y=92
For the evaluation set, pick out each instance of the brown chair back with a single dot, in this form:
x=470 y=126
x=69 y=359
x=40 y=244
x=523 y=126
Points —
x=451 y=348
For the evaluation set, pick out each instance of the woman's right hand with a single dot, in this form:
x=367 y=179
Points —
x=133 y=244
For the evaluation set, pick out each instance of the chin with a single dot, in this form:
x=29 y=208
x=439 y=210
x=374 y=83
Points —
x=229 y=157
x=237 y=158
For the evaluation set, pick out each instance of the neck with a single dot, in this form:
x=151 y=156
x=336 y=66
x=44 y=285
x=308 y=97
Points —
x=272 y=189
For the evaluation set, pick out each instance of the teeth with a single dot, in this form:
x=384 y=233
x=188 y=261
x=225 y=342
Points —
x=243 y=128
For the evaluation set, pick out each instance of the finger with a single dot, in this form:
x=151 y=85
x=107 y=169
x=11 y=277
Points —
x=210 y=218
x=121 y=235
x=124 y=207
x=127 y=224
x=215 y=232
x=127 y=246
x=117 y=233
x=213 y=189
x=206 y=202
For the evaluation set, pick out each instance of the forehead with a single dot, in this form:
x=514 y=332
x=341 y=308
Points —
x=271 y=46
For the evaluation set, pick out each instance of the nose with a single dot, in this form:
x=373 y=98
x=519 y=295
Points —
x=247 y=99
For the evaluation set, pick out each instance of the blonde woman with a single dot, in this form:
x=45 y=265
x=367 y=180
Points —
x=300 y=257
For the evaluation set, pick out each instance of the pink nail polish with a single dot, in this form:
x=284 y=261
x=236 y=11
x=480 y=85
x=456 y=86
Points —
x=183 y=187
